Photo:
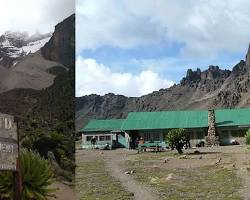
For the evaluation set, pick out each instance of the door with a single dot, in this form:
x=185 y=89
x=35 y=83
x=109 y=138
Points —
x=134 y=138
x=224 y=138
x=121 y=139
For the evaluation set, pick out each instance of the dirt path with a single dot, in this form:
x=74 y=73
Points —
x=242 y=159
x=114 y=166
x=64 y=192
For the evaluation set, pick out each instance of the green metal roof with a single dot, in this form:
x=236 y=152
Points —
x=232 y=117
x=165 y=120
x=171 y=119
x=103 y=125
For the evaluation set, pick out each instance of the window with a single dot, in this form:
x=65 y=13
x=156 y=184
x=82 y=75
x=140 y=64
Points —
x=156 y=136
x=102 y=138
x=200 y=135
x=192 y=135
x=151 y=136
x=107 y=137
x=147 y=137
x=89 y=137
x=238 y=133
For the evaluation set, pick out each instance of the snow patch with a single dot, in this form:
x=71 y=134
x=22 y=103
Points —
x=14 y=63
x=33 y=47
x=6 y=43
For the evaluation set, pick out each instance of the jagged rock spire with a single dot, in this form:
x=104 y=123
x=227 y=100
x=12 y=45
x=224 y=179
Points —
x=248 y=56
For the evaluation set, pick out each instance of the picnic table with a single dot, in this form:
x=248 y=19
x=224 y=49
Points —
x=155 y=146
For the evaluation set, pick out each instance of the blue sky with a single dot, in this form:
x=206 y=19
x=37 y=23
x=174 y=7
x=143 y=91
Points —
x=136 y=47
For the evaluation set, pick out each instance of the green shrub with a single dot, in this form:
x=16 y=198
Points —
x=37 y=176
x=176 y=138
x=247 y=137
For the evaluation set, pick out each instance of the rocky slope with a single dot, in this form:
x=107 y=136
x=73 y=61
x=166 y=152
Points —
x=22 y=64
x=212 y=88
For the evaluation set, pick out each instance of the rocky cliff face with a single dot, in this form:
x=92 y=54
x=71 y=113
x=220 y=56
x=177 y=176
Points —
x=61 y=47
x=248 y=56
x=212 y=88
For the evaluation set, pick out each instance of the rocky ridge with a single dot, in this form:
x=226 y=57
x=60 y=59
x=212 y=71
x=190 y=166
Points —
x=212 y=88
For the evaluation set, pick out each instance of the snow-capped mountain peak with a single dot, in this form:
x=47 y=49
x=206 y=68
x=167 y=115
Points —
x=16 y=39
x=14 y=45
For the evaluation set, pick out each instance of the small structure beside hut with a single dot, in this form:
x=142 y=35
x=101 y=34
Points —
x=212 y=127
x=107 y=133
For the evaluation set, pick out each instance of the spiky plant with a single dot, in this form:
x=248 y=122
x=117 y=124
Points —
x=37 y=176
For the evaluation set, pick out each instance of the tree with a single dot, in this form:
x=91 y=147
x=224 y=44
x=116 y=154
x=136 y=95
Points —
x=176 y=138
x=247 y=137
x=37 y=176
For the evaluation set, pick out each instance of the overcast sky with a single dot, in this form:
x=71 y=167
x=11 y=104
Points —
x=33 y=15
x=134 y=47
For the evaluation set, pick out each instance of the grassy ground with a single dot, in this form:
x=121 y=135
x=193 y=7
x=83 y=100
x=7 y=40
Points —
x=197 y=176
x=152 y=156
x=94 y=182
x=199 y=183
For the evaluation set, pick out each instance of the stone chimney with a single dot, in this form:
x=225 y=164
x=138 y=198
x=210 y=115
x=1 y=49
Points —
x=248 y=56
x=211 y=138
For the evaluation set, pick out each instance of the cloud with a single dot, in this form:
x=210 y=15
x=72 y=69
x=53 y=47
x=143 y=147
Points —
x=96 y=78
x=104 y=23
x=205 y=27
x=34 y=16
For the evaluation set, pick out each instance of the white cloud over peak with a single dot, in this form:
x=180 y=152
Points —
x=205 y=27
x=33 y=15
x=96 y=78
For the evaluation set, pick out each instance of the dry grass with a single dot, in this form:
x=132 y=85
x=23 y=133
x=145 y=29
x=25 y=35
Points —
x=206 y=182
x=94 y=182
x=185 y=179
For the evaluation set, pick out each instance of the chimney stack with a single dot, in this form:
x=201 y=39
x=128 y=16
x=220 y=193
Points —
x=211 y=138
